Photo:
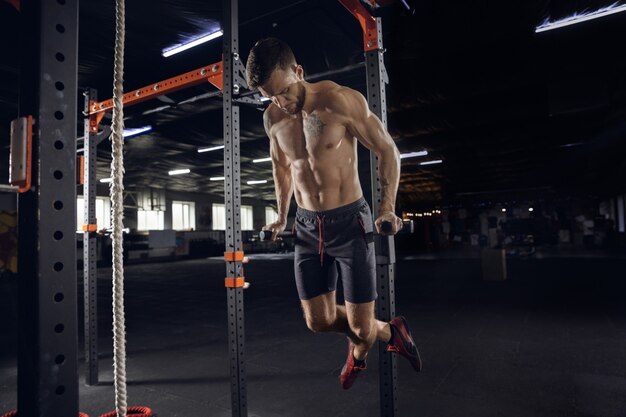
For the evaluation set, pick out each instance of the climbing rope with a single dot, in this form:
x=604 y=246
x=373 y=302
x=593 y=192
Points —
x=117 y=208
x=117 y=215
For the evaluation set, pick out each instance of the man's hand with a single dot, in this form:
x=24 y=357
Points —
x=388 y=216
x=276 y=228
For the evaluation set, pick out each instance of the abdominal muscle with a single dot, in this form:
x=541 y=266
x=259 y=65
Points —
x=325 y=186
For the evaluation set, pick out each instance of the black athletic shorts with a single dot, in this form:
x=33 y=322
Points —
x=332 y=243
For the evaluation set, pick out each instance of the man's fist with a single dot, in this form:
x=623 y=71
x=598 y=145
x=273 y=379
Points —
x=276 y=228
x=394 y=221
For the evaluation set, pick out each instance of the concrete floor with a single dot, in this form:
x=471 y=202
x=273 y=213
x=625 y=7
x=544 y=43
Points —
x=549 y=341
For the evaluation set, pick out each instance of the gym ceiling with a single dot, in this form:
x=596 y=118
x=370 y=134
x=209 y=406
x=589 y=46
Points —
x=511 y=113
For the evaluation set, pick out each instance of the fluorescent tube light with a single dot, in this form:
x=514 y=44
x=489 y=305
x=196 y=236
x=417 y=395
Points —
x=581 y=17
x=571 y=145
x=413 y=154
x=214 y=148
x=106 y=180
x=436 y=161
x=261 y=160
x=216 y=179
x=167 y=52
x=134 y=131
x=179 y=171
x=257 y=182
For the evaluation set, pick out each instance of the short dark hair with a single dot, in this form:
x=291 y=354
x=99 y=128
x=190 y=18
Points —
x=265 y=56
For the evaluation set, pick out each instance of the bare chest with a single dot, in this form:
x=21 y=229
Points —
x=315 y=135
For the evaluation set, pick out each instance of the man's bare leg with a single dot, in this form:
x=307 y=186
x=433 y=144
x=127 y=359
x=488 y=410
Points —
x=366 y=327
x=357 y=321
x=323 y=315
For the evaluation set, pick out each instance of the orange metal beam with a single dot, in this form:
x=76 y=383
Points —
x=212 y=73
x=367 y=22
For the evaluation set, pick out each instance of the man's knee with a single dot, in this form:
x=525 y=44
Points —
x=363 y=331
x=320 y=324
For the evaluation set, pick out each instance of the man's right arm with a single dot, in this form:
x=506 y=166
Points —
x=282 y=181
x=281 y=169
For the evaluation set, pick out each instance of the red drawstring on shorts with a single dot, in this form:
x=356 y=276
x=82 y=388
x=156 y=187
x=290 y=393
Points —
x=320 y=228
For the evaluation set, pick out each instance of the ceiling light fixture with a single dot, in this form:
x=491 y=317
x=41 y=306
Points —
x=257 y=182
x=413 y=154
x=179 y=171
x=436 y=161
x=571 y=145
x=216 y=179
x=261 y=160
x=106 y=180
x=135 y=131
x=581 y=17
x=214 y=148
x=173 y=50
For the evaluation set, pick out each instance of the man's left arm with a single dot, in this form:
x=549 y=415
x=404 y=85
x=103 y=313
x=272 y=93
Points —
x=369 y=130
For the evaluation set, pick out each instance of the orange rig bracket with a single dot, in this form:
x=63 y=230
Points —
x=235 y=282
x=237 y=256
x=367 y=22
x=29 y=154
x=81 y=168
x=238 y=282
x=211 y=73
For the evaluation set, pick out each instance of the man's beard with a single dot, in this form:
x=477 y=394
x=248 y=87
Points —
x=300 y=95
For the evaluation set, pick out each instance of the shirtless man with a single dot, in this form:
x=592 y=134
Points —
x=313 y=130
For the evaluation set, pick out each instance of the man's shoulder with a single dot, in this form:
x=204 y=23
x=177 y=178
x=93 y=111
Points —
x=330 y=89
x=271 y=115
x=335 y=96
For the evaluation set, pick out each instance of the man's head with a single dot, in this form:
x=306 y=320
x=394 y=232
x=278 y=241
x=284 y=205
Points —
x=272 y=68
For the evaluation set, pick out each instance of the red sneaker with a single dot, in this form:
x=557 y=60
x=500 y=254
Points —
x=403 y=344
x=350 y=371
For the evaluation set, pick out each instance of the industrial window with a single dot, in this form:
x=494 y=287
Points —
x=271 y=215
x=103 y=213
x=183 y=215
x=150 y=220
x=219 y=217
x=246 y=218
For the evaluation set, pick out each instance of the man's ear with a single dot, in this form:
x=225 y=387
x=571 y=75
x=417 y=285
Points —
x=299 y=72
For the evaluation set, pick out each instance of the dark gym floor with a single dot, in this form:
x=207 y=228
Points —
x=549 y=341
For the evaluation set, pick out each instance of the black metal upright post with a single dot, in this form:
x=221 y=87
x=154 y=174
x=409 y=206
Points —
x=385 y=249
x=90 y=288
x=232 y=200
x=47 y=346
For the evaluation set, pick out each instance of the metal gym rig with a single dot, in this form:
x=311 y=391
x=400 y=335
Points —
x=47 y=358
